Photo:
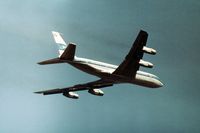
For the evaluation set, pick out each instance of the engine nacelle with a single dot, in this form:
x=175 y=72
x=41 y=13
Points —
x=96 y=92
x=145 y=63
x=71 y=95
x=149 y=50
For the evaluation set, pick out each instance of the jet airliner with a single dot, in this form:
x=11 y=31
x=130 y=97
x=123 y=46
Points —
x=126 y=72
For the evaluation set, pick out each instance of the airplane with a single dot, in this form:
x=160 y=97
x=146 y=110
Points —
x=126 y=72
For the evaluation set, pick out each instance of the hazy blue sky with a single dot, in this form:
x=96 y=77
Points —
x=103 y=30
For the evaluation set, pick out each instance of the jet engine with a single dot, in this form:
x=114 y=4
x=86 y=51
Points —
x=71 y=95
x=149 y=50
x=96 y=92
x=145 y=63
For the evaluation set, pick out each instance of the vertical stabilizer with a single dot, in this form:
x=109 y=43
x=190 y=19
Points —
x=60 y=42
x=69 y=52
x=66 y=52
x=58 y=38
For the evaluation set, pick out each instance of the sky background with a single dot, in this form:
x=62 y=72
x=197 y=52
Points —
x=103 y=30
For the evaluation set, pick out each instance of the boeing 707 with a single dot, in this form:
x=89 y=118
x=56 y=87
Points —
x=126 y=72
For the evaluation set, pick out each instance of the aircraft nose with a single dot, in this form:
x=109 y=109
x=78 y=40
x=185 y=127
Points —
x=160 y=84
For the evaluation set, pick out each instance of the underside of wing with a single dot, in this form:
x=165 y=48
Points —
x=92 y=87
x=133 y=60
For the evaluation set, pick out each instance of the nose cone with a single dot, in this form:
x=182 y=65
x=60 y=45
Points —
x=159 y=84
x=156 y=83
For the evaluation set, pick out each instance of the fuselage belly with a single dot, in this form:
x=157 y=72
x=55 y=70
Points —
x=105 y=70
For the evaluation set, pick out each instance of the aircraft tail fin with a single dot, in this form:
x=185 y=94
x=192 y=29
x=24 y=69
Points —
x=66 y=52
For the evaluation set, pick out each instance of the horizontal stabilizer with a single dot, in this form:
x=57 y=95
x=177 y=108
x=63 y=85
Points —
x=66 y=52
x=51 y=61
x=69 y=52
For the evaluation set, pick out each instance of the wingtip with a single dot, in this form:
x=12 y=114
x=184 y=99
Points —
x=38 y=92
x=143 y=31
x=39 y=63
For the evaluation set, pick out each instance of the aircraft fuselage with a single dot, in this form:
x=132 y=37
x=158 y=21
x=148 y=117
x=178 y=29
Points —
x=105 y=70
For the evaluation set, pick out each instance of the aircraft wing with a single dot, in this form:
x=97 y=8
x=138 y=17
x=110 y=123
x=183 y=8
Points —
x=90 y=85
x=130 y=64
